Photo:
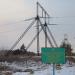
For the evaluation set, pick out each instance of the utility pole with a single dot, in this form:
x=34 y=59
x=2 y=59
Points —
x=42 y=20
x=37 y=18
x=45 y=25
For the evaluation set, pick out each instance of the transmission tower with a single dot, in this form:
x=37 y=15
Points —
x=44 y=26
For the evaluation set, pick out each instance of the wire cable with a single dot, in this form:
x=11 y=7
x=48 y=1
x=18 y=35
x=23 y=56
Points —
x=13 y=23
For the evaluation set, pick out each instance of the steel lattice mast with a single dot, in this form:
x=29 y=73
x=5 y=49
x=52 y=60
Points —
x=44 y=26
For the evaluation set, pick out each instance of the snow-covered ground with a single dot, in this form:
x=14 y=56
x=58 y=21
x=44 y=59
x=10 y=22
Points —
x=64 y=71
x=38 y=68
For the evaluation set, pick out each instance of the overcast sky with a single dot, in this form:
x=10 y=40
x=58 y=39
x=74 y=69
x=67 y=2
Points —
x=12 y=11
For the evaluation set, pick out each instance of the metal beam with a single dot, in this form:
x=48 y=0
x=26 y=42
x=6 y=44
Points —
x=47 y=34
x=15 y=44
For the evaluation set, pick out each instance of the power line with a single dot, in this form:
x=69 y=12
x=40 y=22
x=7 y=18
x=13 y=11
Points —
x=13 y=23
x=34 y=18
x=63 y=17
x=58 y=17
x=16 y=29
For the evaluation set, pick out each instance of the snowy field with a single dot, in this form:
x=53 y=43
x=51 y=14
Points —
x=64 y=71
x=37 y=68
